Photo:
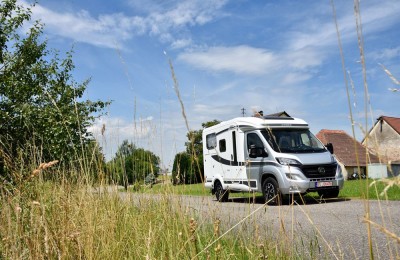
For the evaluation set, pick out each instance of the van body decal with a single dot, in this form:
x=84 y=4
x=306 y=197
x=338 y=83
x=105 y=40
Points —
x=233 y=163
x=252 y=182
x=227 y=162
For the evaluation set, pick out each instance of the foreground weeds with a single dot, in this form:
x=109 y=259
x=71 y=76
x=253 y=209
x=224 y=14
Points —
x=49 y=220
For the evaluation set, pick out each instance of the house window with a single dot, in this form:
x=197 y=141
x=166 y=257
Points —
x=211 y=141
x=222 y=145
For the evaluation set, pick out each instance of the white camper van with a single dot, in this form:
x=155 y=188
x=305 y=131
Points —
x=273 y=155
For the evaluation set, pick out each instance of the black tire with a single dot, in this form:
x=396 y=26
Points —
x=329 y=194
x=271 y=193
x=221 y=194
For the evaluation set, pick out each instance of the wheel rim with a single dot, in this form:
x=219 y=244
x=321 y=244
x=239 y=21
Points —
x=218 y=191
x=269 y=191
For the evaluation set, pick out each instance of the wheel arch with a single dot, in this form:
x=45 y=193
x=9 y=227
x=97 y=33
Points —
x=267 y=175
x=215 y=180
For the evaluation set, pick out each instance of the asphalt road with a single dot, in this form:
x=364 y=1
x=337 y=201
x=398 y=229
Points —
x=331 y=229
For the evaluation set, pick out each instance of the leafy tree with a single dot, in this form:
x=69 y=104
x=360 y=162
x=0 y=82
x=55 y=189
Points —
x=210 y=123
x=132 y=164
x=181 y=168
x=188 y=166
x=150 y=179
x=43 y=114
x=94 y=159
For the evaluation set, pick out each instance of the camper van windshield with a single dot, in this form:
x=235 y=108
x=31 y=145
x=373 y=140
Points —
x=293 y=141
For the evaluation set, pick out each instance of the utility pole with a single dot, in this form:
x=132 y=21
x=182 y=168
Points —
x=243 y=111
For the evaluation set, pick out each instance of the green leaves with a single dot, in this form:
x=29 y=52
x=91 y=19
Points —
x=188 y=165
x=132 y=164
x=41 y=107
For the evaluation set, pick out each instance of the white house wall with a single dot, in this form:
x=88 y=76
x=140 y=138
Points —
x=384 y=141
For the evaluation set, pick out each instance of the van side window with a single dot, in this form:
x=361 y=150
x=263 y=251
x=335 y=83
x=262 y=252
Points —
x=254 y=139
x=222 y=145
x=211 y=141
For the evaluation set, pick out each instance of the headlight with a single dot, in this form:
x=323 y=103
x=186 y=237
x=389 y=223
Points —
x=339 y=171
x=288 y=161
x=292 y=176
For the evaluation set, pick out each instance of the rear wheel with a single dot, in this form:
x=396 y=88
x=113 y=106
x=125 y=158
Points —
x=271 y=192
x=329 y=194
x=221 y=194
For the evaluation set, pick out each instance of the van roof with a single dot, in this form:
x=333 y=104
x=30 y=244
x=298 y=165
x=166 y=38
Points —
x=247 y=123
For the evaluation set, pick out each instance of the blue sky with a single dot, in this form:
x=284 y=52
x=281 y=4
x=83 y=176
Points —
x=227 y=55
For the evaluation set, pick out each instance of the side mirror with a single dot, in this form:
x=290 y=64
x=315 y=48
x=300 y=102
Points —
x=329 y=146
x=255 y=152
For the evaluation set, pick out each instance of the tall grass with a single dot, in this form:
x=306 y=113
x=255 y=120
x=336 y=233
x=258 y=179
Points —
x=368 y=114
x=47 y=216
x=48 y=220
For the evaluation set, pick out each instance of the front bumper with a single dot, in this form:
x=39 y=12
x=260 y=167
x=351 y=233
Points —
x=296 y=182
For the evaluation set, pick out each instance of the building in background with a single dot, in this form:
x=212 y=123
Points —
x=354 y=158
x=383 y=140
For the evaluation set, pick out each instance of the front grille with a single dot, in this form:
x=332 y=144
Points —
x=319 y=171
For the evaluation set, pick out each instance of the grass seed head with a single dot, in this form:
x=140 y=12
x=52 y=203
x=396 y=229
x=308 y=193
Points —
x=218 y=248
x=42 y=167
x=216 y=227
x=192 y=229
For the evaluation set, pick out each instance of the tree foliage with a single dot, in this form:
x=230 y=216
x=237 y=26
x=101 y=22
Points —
x=188 y=166
x=182 y=169
x=43 y=113
x=132 y=164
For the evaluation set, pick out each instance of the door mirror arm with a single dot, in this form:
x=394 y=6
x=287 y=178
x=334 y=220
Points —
x=329 y=147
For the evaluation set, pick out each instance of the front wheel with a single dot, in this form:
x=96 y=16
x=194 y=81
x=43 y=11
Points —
x=221 y=194
x=271 y=193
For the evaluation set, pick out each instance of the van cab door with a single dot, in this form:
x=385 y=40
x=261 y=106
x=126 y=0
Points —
x=255 y=163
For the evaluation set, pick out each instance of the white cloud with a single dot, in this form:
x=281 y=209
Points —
x=303 y=59
x=294 y=78
x=239 y=59
x=108 y=29
x=118 y=129
x=175 y=18
x=385 y=54
x=379 y=15
x=181 y=43
x=374 y=17
x=218 y=111
x=104 y=31
x=307 y=46
x=247 y=60
x=123 y=128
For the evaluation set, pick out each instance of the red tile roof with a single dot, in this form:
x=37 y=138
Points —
x=394 y=122
x=345 y=148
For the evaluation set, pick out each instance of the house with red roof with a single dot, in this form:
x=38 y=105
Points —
x=383 y=140
x=353 y=157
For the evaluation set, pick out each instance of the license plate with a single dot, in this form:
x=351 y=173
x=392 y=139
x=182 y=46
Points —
x=323 y=184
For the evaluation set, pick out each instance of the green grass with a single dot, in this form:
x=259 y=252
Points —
x=189 y=189
x=358 y=188
x=193 y=189
x=352 y=189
